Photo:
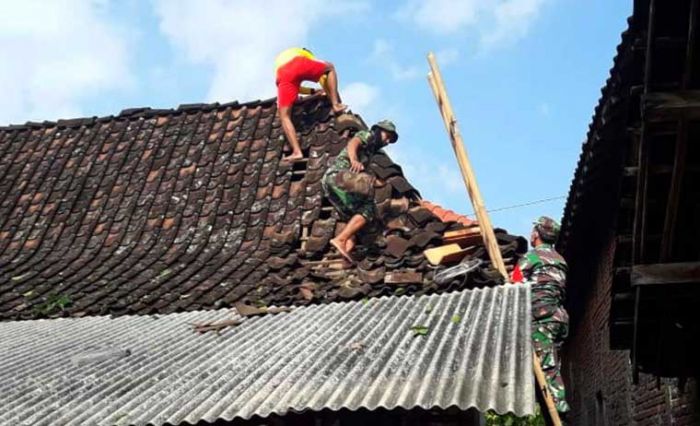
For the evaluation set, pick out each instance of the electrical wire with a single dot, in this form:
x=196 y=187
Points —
x=515 y=206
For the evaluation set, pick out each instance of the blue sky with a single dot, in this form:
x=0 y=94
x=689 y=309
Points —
x=523 y=75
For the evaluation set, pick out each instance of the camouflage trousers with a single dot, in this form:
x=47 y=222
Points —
x=547 y=338
x=350 y=193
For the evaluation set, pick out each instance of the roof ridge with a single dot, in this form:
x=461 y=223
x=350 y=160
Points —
x=447 y=215
x=136 y=112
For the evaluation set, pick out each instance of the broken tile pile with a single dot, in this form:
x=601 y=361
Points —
x=155 y=211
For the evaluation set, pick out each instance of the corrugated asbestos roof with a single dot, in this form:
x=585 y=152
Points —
x=477 y=353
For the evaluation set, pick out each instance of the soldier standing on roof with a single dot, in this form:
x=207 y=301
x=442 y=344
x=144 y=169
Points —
x=349 y=189
x=546 y=270
x=292 y=67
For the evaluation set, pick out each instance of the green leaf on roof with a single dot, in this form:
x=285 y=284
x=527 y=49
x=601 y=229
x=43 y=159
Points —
x=53 y=303
x=456 y=318
x=164 y=272
x=420 y=330
x=18 y=277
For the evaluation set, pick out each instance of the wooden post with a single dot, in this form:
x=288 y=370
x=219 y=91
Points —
x=448 y=116
x=440 y=92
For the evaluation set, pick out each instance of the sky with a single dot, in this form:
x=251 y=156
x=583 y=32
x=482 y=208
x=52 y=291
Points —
x=523 y=75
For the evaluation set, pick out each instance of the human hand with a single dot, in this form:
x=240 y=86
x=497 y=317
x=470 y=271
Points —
x=356 y=166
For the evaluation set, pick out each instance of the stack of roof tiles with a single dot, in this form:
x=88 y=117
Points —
x=156 y=211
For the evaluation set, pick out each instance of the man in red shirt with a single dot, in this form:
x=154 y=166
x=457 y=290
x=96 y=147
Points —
x=293 y=66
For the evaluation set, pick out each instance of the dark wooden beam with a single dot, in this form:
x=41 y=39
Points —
x=639 y=224
x=666 y=273
x=664 y=106
x=640 y=202
x=674 y=192
x=690 y=44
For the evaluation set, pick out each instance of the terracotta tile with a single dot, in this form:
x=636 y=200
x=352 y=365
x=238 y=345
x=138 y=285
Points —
x=204 y=192
x=31 y=244
x=396 y=246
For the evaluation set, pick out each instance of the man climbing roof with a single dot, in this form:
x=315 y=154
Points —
x=292 y=67
x=546 y=270
x=349 y=188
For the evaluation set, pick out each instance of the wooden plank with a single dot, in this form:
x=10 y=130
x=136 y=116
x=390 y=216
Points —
x=463 y=237
x=446 y=254
x=438 y=87
x=665 y=273
x=466 y=241
x=461 y=232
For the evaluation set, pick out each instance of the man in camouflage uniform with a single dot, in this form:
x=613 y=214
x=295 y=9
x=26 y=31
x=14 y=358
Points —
x=349 y=188
x=546 y=270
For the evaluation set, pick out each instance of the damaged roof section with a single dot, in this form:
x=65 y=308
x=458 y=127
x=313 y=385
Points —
x=159 y=211
x=468 y=349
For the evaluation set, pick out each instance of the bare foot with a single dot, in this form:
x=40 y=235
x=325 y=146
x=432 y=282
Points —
x=338 y=246
x=293 y=157
x=339 y=108
x=350 y=245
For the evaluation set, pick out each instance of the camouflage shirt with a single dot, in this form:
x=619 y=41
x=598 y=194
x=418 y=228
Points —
x=369 y=146
x=546 y=270
x=352 y=193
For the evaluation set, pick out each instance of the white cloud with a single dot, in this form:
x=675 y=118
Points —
x=447 y=56
x=435 y=183
x=360 y=96
x=498 y=22
x=442 y=16
x=383 y=53
x=513 y=20
x=239 y=40
x=56 y=54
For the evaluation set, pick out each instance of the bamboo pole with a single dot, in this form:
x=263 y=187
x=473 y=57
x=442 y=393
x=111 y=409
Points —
x=438 y=87
x=448 y=116
x=543 y=387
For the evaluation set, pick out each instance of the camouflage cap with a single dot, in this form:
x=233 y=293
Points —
x=389 y=126
x=547 y=228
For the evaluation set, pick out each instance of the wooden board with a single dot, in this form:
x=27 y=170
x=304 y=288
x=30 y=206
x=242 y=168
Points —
x=464 y=237
x=450 y=253
x=666 y=273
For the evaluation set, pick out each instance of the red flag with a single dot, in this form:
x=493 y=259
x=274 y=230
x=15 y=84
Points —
x=517 y=275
